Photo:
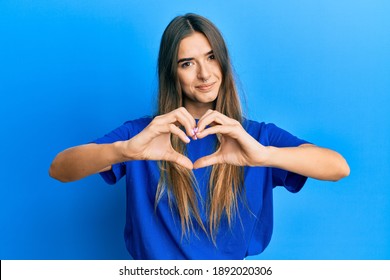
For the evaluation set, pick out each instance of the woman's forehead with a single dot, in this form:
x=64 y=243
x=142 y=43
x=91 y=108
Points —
x=194 y=45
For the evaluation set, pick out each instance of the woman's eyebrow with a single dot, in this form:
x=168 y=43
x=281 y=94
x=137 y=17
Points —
x=185 y=59
x=191 y=58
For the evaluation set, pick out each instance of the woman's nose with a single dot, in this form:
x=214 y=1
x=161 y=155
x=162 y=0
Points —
x=203 y=72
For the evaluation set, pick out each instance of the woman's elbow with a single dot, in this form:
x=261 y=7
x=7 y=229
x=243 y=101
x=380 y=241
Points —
x=342 y=171
x=55 y=173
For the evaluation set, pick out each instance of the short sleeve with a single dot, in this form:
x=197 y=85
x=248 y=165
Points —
x=280 y=138
x=118 y=170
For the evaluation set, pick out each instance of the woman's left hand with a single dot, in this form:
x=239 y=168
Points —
x=237 y=147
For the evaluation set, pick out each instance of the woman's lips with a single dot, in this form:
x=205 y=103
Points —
x=205 y=87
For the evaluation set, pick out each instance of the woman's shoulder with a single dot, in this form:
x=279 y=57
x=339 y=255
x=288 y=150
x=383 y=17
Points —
x=253 y=125
x=138 y=124
x=260 y=130
x=271 y=134
x=145 y=120
x=130 y=128
x=256 y=125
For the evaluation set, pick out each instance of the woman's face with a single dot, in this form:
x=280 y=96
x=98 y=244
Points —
x=199 y=74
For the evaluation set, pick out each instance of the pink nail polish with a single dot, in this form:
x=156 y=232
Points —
x=196 y=129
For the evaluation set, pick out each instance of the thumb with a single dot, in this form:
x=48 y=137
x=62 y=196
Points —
x=181 y=160
x=206 y=161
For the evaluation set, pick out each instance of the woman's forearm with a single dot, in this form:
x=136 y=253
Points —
x=309 y=160
x=80 y=161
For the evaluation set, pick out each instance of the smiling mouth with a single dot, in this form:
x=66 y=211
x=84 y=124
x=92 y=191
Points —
x=205 y=87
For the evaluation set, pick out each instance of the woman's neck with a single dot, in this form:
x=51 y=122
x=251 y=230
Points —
x=197 y=110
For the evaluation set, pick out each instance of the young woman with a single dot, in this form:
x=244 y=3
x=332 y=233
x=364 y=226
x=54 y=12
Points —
x=199 y=176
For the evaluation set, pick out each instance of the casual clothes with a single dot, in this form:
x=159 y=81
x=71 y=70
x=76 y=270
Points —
x=156 y=233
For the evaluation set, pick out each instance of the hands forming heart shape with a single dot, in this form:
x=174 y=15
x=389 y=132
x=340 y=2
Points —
x=237 y=147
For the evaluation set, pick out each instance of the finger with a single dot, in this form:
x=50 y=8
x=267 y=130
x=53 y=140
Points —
x=178 y=117
x=211 y=119
x=204 y=120
x=232 y=128
x=182 y=117
x=180 y=159
x=206 y=161
x=218 y=129
x=178 y=132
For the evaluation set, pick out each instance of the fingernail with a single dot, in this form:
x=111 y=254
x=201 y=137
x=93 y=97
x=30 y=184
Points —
x=193 y=132
x=188 y=140
x=196 y=129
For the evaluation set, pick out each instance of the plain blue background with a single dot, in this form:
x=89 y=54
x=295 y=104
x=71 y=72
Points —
x=71 y=71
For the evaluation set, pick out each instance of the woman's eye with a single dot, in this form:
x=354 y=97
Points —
x=211 y=57
x=186 y=64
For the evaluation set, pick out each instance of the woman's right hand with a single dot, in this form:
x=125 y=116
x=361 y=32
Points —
x=154 y=142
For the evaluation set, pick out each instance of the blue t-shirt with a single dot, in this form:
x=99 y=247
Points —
x=157 y=234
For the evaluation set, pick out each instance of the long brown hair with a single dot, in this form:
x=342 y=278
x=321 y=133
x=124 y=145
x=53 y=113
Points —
x=226 y=181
